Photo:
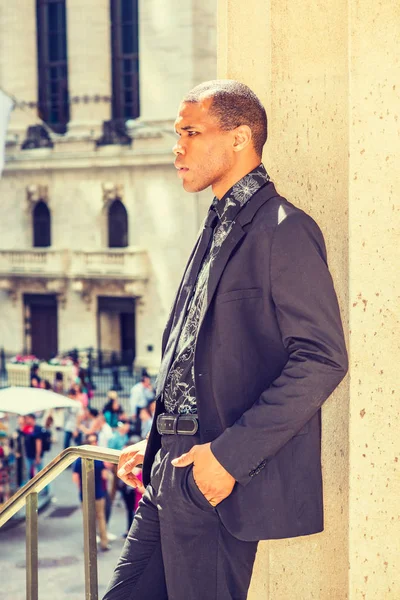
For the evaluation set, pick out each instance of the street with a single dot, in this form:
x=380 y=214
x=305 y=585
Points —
x=61 y=566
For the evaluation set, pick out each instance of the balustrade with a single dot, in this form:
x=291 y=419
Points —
x=126 y=264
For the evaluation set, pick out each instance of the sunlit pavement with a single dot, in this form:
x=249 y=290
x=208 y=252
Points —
x=61 y=567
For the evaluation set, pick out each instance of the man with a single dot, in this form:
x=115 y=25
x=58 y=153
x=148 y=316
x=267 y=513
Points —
x=33 y=445
x=35 y=379
x=71 y=419
x=100 y=482
x=142 y=394
x=120 y=436
x=253 y=347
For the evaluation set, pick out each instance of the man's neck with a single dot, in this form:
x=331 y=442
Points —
x=220 y=188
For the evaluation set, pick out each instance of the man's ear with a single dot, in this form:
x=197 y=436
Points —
x=242 y=138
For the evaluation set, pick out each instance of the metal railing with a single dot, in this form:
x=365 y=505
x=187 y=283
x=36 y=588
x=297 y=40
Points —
x=28 y=496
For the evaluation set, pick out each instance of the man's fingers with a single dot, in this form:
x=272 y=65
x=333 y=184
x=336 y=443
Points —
x=184 y=460
x=131 y=480
x=128 y=466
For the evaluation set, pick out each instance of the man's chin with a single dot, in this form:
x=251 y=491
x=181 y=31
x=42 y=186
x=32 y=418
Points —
x=192 y=187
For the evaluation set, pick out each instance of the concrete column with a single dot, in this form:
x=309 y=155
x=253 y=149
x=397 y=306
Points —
x=374 y=224
x=89 y=64
x=328 y=74
x=18 y=61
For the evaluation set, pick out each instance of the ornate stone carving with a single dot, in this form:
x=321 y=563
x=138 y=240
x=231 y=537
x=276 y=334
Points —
x=112 y=191
x=11 y=287
x=135 y=288
x=36 y=192
x=85 y=289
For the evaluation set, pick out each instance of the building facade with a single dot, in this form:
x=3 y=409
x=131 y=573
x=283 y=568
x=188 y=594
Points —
x=95 y=228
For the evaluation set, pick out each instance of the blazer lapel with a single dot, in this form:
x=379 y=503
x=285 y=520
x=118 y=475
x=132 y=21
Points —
x=237 y=232
x=171 y=335
x=184 y=279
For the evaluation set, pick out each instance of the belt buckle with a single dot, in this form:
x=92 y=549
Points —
x=167 y=424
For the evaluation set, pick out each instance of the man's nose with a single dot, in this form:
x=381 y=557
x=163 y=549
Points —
x=178 y=148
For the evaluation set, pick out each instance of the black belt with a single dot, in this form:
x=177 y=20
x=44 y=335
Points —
x=168 y=424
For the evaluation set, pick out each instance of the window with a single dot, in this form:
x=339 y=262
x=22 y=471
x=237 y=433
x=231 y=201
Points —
x=41 y=225
x=53 y=105
x=117 y=225
x=125 y=59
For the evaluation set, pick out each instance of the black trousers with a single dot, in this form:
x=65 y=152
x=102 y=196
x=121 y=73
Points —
x=177 y=547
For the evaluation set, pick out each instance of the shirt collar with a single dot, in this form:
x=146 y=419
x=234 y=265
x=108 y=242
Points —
x=240 y=193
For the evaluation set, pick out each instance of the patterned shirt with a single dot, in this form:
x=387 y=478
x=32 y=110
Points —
x=179 y=391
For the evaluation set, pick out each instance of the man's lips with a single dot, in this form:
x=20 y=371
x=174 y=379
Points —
x=181 y=170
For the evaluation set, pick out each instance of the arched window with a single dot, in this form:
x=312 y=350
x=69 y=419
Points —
x=125 y=59
x=117 y=225
x=41 y=225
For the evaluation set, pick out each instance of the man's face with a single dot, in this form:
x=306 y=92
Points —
x=204 y=152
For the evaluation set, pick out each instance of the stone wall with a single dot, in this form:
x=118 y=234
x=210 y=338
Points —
x=328 y=74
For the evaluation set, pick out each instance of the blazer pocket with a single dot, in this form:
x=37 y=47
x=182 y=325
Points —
x=239 y=295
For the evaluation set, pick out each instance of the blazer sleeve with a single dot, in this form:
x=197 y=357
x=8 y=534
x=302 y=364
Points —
x=308 y=315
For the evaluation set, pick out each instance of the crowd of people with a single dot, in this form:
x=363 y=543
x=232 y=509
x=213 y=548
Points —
x=113 y=426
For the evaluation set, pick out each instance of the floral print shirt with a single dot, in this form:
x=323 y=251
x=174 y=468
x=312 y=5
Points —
x=179 y=390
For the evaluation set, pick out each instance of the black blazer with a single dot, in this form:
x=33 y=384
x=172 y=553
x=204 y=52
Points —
x=270 y=351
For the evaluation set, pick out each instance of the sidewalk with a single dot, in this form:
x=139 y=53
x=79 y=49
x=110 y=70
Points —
x=61 y=563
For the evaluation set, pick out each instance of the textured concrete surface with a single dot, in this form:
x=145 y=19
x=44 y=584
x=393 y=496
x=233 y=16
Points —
x=328 y=74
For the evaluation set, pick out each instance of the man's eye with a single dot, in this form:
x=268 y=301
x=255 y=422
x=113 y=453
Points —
x=192 y=133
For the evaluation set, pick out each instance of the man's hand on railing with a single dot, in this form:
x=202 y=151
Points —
x=130 y=458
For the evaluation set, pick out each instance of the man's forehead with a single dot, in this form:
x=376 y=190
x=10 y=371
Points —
x=192 y=114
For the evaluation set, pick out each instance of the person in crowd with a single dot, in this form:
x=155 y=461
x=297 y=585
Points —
x=71 y=419
x=131 y=497
x=35 y=379
x=104 y=431
x=86 y=421
x=33 y=445
x=58 y=388
x=120 y=436
x=75 y=369
x=118 y=441
x=48 y=417
x=85 y=385
x=253 y=347
x=18 y=447
x=45 y=384
x=81 y=396
x=112 y=410
x=146 y=421
x=100 y=477
x=58 y=384
x=142 y=394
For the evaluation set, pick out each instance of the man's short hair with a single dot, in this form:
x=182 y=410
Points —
x=234 y=104
x=31 y=416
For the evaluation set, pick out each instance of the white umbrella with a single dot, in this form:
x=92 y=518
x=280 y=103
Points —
x=24 y=400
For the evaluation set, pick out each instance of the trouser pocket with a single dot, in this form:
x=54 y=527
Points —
x=195 y=494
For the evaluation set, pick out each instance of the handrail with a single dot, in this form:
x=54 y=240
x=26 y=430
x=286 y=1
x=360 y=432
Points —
x=28 y=495
x=50 y=472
